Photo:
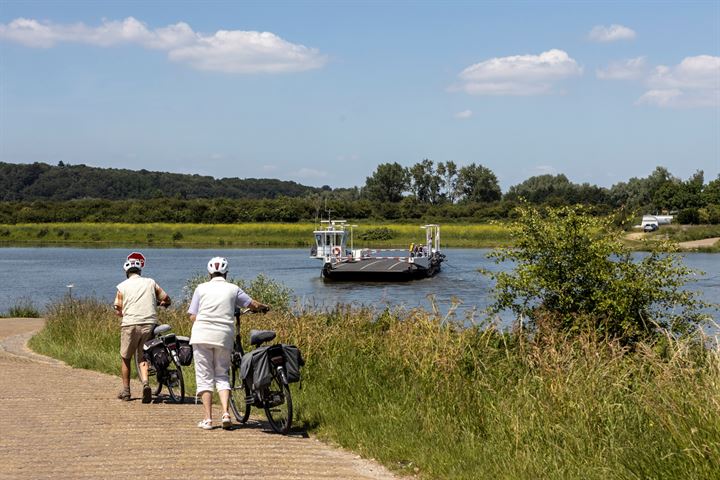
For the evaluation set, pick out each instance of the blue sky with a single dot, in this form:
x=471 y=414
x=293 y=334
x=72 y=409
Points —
x=598 y=91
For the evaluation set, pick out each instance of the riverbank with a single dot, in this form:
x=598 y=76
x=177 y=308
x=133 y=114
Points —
x=429 y=399
x=179 y=235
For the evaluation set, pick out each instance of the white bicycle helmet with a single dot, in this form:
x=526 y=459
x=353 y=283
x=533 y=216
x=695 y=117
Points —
x=132 y=263
x=217 y=265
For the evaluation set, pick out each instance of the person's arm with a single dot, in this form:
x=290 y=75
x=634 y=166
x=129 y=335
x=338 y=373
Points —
x=162 y=297
x=194 y=306
x=118 y=304
x=256 y=306
x=244 y=300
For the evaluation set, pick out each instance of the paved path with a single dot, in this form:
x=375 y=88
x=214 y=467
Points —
x=59 y=422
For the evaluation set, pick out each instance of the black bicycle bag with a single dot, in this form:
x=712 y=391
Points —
x=154 y=352
x=185 y=351
x=293 y=362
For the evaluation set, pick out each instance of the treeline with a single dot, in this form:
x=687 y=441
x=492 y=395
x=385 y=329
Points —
x=427 y=184
x=443 y=192
x=40 y=181
x=284 y=209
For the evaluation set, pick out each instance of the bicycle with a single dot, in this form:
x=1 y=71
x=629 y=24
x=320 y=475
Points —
x=162 y=354
x=273 y=397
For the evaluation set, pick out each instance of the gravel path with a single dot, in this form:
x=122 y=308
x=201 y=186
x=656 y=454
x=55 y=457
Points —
x=59 y=422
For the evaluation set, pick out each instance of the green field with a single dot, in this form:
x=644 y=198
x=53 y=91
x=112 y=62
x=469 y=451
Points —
x=236 y=235
x=435 y=401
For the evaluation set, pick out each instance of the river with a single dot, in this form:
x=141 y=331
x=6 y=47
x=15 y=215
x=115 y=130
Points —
x=42 y=275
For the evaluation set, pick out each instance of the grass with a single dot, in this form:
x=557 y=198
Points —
x=425 y=397
x=236 y=235
x=23 y=308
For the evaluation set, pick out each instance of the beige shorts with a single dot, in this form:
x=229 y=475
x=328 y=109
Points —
x=132 y=338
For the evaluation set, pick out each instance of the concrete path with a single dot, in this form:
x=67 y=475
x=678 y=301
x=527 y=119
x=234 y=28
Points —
x=59 y=422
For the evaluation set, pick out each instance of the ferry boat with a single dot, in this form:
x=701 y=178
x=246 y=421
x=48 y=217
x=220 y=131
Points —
x=341 y=262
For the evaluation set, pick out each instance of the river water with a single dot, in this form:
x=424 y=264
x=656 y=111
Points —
x=42 y=275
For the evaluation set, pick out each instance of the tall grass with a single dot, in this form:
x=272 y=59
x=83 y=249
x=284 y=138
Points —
x=23 y=308
x=236 y=235
x=425 y=396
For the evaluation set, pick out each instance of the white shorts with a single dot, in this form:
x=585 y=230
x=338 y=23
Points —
x=211 y=367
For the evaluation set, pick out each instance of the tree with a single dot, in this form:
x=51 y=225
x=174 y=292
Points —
x=573 y=271
x=448 y=173
x=542 y=189
x=388 y=183
x=711 y=192
x=426 y=183
x=478 y=184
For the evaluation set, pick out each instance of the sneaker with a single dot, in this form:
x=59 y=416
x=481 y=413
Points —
x=147 y=394
x=124 y=395
x=226 y=422
x=205 y=424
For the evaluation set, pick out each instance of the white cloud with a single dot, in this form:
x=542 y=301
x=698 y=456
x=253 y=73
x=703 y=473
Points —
x=231 y=51
x=630 y=69
x=615 y=32
x=694 y=82
x=464 y=114
x=518 y=74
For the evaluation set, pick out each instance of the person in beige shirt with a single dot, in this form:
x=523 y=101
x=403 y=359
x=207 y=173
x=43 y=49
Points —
x=136 y=302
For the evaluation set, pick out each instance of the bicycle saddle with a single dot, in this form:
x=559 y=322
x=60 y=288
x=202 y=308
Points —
x=160 y=329
x=260 y=336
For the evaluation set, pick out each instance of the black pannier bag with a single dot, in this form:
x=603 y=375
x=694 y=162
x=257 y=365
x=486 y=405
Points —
x=155 y=353
x=185 y=351
x=256 y=366
x=293 y=362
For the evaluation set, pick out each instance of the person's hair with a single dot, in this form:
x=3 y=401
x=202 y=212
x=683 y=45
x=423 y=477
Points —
x=132 y=270
x=218 y=274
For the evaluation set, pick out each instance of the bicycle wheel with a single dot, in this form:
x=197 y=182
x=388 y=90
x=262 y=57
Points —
x=175 y=383
x=278 y=404
x=238 y=392
x=152 y=377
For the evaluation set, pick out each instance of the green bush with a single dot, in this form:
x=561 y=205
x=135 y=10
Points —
x=572 y=272
x=381 y=233
x=710 y=214
x=262 y=288
x=689 y=216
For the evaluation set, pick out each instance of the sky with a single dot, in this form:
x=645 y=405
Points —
x=323 y=92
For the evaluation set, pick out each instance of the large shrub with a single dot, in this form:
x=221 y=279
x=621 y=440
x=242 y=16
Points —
x=571 y=271
x=262 y=288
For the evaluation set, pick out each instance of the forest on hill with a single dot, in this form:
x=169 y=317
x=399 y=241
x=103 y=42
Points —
x=40 y=181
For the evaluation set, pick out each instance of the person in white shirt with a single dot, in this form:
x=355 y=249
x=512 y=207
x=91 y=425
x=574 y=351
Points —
x=212 y=310
x=136 y=302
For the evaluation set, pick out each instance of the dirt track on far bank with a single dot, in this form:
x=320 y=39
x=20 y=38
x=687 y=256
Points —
x=705 y=242
x=61 y=422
